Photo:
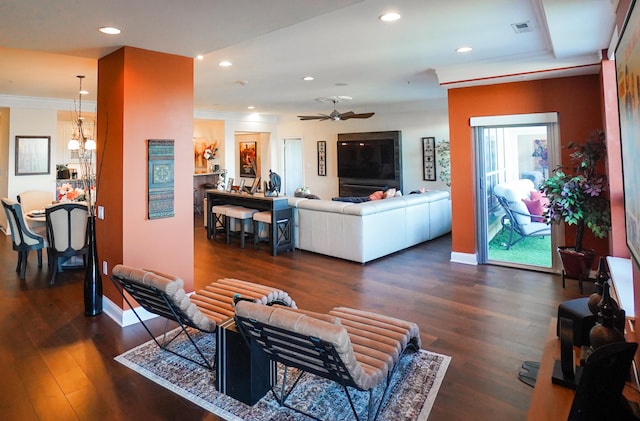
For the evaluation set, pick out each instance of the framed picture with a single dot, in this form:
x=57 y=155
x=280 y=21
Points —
x=248 y=159
x=33 y=155
x=160 y=200
x=230 y=183
x=322 y=157
x=255 y=186
x=628 y=73
x=429 y=158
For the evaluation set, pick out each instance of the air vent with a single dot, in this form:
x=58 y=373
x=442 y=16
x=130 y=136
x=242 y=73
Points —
x=521 y=27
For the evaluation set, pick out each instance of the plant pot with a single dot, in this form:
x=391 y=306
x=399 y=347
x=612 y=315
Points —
x=577 y=265
x=63 y=175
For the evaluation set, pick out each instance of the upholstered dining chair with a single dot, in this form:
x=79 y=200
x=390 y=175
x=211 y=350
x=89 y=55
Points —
x=34 y=200
x=23 y=238
x=67 y=234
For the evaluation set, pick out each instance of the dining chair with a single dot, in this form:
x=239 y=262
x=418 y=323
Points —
x=23 y=238
x=67 y=233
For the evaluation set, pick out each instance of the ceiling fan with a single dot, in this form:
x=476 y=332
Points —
x=335 y=115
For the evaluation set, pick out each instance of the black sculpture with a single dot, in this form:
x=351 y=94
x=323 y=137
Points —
x=274 y=185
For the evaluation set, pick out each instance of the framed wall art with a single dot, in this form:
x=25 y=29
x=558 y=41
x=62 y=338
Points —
x=33 y=155
x=248 y=159
x=322 y=158
x=161 y=178
x=628 y=72
x=429 y=158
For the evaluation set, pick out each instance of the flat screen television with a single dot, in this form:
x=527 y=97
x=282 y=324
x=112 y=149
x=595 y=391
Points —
x=367 y=159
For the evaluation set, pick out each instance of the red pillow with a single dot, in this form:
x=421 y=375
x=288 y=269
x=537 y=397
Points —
x=376 y=195
x=538 y=195
x=535 y=208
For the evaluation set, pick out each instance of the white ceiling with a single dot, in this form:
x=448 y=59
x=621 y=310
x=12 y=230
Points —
x=397 y=66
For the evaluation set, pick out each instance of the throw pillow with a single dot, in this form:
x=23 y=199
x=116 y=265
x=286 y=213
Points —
x=535 y=207
x=538 y=195
x=389 y=193
x=351 y=199
x=376 y=195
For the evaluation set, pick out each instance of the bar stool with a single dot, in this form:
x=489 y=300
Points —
x=243 y=215
x=265 y=218
x=219 y=219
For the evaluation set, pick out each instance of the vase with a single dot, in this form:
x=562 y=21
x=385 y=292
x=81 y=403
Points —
x=92 y=276
x=210 y=165
x=602 y=276
x=605 y=331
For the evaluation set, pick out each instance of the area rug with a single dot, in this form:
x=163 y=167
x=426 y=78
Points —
x=413 y=389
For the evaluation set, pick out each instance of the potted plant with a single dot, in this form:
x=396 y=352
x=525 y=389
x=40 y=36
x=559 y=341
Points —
x=579 y=199
x=63 y=172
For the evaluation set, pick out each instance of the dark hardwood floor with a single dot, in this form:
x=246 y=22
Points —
x=57 y=364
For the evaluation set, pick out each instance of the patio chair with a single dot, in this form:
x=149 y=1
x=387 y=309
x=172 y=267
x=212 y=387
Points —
x=23 y=238
x=354 y=348
x=517 y=219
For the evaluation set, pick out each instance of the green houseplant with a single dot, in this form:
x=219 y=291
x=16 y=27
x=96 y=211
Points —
x=579 y=199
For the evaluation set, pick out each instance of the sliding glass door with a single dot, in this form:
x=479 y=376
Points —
x=513 y=159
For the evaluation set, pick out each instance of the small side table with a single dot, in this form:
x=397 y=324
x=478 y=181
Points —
x=243 y=373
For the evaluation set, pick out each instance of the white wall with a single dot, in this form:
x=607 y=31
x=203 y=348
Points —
x=414 y=126
x=32 y=122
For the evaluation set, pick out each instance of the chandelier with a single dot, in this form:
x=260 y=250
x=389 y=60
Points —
x=84 y=145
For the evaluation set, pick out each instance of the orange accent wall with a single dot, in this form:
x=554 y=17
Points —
x=144 y=95
x=578 y=102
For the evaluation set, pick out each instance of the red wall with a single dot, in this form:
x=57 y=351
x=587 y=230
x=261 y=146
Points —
x=578 y=102
x=144 y=95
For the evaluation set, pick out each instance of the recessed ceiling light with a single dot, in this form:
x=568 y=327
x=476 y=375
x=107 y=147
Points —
x=224 y=63
x=251 y=107
x=389 y=17
x=308 y=78
x=109 y=30
x=200 y=57
x=463 y=49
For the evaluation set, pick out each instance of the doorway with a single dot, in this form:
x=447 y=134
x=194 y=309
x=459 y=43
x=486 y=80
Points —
x=293 y=170
x=513 y=156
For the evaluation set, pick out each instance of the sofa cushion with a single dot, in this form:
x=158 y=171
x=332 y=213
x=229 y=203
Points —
x=520 y=208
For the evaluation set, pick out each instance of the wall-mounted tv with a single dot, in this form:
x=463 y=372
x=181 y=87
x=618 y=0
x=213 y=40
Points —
x=372 y=156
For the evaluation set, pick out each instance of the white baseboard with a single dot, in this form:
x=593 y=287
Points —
x=465 y=258
x=124 y=317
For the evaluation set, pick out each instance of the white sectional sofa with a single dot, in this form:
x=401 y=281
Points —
x=365 y=231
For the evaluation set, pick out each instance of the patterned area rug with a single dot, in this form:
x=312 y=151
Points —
x=413 y=389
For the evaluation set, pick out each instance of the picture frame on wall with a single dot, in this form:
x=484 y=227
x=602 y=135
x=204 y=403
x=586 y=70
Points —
x=429 y=158
x=248 y=159
x=33 y=155
x=322 y=158
x=627 y=73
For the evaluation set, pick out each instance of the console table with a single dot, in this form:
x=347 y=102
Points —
x=281 y=229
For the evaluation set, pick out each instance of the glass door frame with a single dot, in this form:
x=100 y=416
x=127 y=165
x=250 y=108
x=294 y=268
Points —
x=478 y=124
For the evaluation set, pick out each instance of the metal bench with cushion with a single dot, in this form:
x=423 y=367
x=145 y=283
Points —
x=353 y=348
x=164 y=295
